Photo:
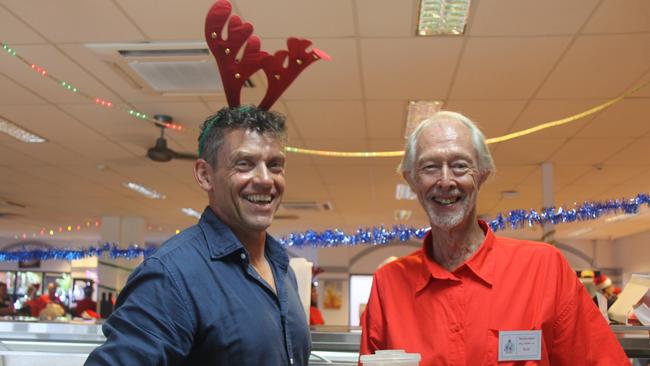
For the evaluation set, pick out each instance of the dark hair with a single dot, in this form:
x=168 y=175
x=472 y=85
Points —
x=244 y=117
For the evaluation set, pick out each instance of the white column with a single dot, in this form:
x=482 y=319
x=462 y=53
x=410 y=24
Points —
x=122 y=231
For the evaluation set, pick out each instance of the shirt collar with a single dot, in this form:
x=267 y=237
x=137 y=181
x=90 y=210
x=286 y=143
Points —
x=481 y=263
x=223 y=242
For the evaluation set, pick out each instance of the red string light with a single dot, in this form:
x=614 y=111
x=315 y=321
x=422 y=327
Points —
x=39 y=69
x=103 y=102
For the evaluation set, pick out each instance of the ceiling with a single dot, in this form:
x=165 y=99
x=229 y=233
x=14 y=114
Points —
x=520 y=63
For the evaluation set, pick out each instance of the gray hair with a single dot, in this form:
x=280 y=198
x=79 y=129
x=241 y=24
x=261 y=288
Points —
x=485 y=162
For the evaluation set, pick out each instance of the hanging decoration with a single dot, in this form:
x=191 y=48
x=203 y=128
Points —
x=133 y=251
x=69 y=87
x=515 y=219
x=347 y=154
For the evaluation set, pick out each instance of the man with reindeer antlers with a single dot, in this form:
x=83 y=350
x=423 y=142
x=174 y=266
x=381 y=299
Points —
x=222 y=292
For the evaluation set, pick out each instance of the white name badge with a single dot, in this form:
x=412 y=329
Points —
x=520 y=345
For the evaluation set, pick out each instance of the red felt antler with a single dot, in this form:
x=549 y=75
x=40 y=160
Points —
x=235 y=72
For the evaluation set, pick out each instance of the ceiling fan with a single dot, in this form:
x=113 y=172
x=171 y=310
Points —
x=160 y=152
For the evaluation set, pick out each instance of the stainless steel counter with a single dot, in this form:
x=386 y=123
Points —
x=24 y=343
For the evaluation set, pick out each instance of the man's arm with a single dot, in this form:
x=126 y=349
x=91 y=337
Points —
x=581 y=334
x=153 y=323
x=372 y=323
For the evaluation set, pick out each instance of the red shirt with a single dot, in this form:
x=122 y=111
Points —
x=83 y=305
x=315 y=317
x=454 y=318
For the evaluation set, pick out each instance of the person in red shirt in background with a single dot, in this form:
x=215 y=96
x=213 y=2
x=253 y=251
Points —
x=315 y=316
x=468 y=297
x=34 y=304
x=86 y=303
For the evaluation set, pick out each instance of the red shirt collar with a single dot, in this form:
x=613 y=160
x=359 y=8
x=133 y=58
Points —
x=480 y=263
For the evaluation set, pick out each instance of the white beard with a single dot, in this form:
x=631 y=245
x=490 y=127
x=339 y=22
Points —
x=447 y=221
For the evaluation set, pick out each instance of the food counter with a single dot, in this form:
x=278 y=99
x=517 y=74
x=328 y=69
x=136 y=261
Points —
x=26 y=343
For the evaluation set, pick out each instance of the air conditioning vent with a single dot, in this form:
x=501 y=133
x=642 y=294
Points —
x=165 y=53
x=172 y=68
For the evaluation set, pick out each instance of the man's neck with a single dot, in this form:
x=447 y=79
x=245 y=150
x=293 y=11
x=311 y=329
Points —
x=451 y=248
x=254 y=243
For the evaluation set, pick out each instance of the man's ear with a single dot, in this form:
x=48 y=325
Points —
x=203 y=174
x=407 y=175
x=483 y=177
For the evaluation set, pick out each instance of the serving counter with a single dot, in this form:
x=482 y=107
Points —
x=26 y=343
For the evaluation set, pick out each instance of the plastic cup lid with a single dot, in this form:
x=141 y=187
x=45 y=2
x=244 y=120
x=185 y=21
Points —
x=391 y=355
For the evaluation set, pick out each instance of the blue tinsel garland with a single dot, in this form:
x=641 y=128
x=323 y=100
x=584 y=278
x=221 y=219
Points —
x=515 y=219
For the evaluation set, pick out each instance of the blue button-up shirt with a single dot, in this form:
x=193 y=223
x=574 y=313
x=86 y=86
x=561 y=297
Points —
x=198 y=301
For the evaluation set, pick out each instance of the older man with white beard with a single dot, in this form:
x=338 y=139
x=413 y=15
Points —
x=466 y=294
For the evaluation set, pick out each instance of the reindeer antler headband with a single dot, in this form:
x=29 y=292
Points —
x=234 y=72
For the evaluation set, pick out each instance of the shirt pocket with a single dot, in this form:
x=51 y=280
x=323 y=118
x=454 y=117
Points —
x=492 y=353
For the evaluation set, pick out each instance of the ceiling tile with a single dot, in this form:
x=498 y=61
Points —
x=524 y=151
x=588 y=151
x=579 y=193
x=385 y=18
x=49 y=122
x=516 y=17
x=165 y=20
x=611 y=17
x=328 y=120
x=543 y=111
x=76 y=20
x=386 y=119
x=562 y=175
x=505 y=68
x=588 y=69
x=510 y=175
x=408 y=68
x=12 y=93
x=611 y=174
x=14 y=31
x=294 y=18
x=634 y=153
x=493 y=117
x=49 y=153
x=626 y=118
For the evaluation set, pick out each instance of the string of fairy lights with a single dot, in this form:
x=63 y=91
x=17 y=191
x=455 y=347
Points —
x=329 y=153
x=71 y=88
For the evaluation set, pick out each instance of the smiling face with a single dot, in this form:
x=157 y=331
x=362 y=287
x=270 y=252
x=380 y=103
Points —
x=446 y=176
x=246 y=186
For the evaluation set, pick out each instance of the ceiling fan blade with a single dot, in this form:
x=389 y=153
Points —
x=184 y=156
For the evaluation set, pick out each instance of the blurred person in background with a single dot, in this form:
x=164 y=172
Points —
x=6 y=303
x=86 y=303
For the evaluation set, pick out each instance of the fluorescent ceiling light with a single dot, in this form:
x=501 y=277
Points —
x=147 y=192
x=418 y=111
x=19 y=133
x=442 y=17
x=404 y=192
x=191 y=212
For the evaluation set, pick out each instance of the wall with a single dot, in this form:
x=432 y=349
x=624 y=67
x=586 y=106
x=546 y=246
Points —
x=632 y=253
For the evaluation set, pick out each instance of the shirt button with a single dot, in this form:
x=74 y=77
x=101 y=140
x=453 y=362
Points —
x=243 y=256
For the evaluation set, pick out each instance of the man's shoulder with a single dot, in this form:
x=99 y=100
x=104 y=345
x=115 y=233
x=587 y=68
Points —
x=181 y=247
x=522 y=247
x=405 y=263
x=190 y=236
